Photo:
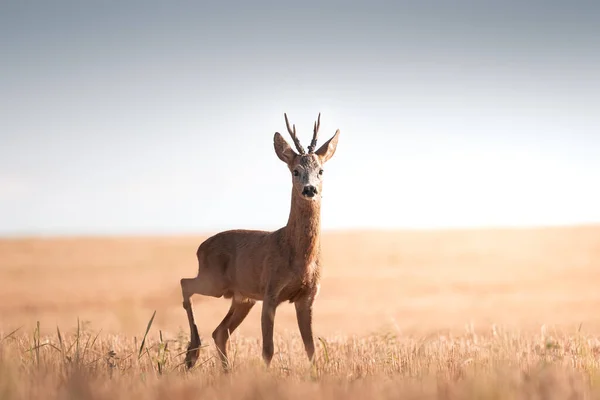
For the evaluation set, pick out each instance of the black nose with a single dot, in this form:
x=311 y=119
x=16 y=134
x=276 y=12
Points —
x=309 y=191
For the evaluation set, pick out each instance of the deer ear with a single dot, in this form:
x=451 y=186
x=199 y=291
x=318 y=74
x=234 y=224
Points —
x=327 y=150
x=283 y=150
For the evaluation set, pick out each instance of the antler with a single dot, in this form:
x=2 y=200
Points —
x=293 y=135
x=313 y=143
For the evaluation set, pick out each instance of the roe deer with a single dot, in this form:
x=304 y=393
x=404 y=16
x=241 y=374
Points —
x=272 y=267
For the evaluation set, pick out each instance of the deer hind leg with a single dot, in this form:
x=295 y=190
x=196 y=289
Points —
x=190 y=286
x=237 y=313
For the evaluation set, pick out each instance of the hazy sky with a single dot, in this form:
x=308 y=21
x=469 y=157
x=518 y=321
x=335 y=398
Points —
x=158 y=117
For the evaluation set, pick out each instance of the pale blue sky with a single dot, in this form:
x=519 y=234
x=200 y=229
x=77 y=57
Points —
x=158 y=117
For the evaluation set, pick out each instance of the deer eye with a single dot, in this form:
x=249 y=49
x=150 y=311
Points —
x=320 y=172
x=296 y=173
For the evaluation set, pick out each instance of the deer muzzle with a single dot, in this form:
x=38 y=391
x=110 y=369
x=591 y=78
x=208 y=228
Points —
x=310 y=191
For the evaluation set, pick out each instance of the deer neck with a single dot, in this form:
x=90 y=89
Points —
x=303 y=230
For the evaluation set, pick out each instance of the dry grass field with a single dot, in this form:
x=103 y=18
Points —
x=445 y=314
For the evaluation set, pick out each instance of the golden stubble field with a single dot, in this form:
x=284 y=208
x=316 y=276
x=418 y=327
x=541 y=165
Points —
x=441 y=314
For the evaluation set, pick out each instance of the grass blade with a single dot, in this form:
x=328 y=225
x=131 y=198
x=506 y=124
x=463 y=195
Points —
x=60 y=341
x=195 y=348
x=37 y=347
x=146 y=334
x=10 y=334
x=85 y=348
x=77 y=343
x=95 y=338
x=325 y=349
x=36 y=343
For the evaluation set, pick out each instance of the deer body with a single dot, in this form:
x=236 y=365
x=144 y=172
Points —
x=272 y=267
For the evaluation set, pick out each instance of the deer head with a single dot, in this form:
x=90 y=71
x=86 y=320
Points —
x=306 y=168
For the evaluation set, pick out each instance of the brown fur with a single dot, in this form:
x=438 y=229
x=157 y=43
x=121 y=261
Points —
x=272 y=267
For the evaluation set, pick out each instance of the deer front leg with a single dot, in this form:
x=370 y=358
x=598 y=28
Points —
x=193 y=350
x=267 y=324
x=304 y=316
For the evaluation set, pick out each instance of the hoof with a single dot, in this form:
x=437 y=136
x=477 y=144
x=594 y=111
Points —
x=193 y=350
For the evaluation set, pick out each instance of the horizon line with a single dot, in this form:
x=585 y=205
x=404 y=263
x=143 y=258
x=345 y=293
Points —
x=328 y=231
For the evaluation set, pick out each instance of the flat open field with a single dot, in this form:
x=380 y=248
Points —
x=453 y=314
